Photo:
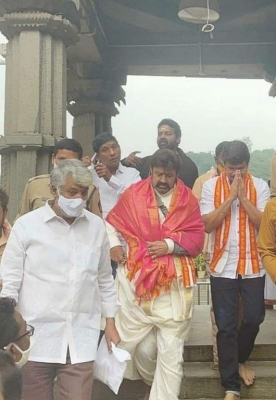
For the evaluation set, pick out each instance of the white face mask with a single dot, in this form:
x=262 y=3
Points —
x=71 y=207
x=25 y=353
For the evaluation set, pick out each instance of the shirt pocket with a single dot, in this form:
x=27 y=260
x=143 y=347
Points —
x=90 y=260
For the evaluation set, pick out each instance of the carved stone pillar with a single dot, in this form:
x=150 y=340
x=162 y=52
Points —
x=36 y=91
x=91 y=102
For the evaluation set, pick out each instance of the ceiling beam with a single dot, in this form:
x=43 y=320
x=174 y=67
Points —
x=190 y=54
x=181 y=38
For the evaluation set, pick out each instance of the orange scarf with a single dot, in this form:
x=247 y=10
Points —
x=222 y=190
x=136 y=217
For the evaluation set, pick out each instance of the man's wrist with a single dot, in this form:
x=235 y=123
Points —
x=110 y=321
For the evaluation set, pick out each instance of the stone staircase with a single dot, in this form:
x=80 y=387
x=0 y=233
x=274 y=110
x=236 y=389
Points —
x=199 y=380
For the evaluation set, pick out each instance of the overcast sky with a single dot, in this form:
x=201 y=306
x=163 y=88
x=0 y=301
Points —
x=208 y=111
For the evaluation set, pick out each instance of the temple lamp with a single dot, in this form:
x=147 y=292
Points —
x=199 y=11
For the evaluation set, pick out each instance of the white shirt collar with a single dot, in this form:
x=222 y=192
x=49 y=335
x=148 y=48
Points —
x=50 y=214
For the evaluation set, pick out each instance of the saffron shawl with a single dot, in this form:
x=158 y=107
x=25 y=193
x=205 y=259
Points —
x=136 y=217
x=248 y=259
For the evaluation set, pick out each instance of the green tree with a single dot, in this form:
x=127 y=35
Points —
x=203 y=161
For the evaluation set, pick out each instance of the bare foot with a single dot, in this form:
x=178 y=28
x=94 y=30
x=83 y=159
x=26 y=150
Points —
x=231 y=396
x=247 y=375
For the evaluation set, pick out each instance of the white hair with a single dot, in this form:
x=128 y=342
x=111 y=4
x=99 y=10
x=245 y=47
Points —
x=72 y=168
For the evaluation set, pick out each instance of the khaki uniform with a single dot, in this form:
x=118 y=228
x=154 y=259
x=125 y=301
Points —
x=37 y=192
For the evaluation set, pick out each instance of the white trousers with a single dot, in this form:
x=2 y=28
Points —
x=154 y=332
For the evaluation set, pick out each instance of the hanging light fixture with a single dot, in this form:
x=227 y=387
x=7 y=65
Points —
x=199 y=11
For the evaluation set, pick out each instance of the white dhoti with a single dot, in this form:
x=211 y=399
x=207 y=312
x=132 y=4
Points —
x=153 y=332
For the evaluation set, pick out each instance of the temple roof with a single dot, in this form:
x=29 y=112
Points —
x=146 y=37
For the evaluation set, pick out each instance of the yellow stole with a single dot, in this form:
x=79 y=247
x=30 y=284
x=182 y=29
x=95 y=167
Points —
x=222 y=190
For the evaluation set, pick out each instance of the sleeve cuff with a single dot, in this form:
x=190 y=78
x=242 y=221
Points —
x=114 y=241
x=114 y=182
x=170 y=244
x=109 y=310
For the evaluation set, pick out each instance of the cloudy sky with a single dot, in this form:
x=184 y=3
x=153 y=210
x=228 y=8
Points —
x=208 y=111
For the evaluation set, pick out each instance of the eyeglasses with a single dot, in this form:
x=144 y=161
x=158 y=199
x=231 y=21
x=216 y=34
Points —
x=29 y=332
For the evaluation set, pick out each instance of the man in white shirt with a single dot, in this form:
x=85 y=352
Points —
x=112 y=178
x=56 y=265
x=231 y=207
x=160 y=221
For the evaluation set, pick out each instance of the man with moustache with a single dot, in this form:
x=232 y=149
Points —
x=112 y=178
x=159 y=218
x=169 y=136
x=232 y=205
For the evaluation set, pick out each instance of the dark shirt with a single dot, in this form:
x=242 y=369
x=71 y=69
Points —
x=188 y=171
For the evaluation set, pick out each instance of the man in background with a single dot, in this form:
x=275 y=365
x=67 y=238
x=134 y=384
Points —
x=37 y=190
x=197 y=190
x=111 y=177
x=169 y=137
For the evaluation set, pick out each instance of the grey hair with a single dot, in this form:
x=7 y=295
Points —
x=72 y=168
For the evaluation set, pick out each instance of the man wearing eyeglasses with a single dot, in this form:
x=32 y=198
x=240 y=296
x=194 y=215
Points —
x=16 y=335
x=57 y=266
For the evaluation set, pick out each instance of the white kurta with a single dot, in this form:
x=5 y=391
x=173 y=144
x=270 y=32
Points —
x=60 y=274
x=111 y=191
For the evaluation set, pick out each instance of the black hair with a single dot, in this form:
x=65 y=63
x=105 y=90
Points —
x=69 y=144
x=174 y=125
x=220 y=147
x=9 y=327
x=4 y=199
x=11 y=377
x=101 y=139
x=235 y=152
x=167 y=159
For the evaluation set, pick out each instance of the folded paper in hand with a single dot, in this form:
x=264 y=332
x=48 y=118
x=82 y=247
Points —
x=109 y=368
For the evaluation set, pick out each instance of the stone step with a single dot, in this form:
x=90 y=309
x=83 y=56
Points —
x=199 y=346
x=201 y=381
x=204 y=353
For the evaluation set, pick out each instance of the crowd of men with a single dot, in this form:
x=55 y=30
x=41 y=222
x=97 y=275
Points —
x=141 y=221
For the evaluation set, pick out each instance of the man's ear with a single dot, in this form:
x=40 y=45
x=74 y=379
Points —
x=53 y=190
x=11 y=349
x=53 y=159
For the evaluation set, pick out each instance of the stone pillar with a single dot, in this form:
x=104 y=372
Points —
x=36 y=92
x=91 y=102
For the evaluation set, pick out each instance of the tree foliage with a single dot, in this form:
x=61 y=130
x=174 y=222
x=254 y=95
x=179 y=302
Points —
x=259 y=165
